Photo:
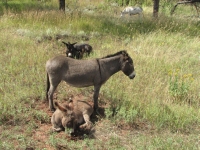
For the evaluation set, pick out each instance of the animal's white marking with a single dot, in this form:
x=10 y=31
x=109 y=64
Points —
x=132 y=11
x=132 y=75
x=70 y=54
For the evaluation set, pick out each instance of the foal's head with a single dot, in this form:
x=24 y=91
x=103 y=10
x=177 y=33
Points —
x=127 y=66
x=68 y=114
x=71 y=50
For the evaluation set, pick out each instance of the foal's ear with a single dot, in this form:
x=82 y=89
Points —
x=60 y=107
x=70 y=100
x=71 y=105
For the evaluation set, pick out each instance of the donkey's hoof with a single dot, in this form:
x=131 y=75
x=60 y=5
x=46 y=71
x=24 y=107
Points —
x=97 y=112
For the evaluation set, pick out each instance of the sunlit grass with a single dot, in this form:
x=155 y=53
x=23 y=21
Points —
x=158 y=47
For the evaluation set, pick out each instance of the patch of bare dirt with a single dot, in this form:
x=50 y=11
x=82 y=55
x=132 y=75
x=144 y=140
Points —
x=102 y=130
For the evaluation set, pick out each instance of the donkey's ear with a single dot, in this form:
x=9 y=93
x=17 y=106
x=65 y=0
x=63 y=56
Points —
x=56 y=104
x=60 y=107
x=71 y=105
x=70 y=100
x=126 y=56
x=74 y=43
x=124 y=53
x=64 y=43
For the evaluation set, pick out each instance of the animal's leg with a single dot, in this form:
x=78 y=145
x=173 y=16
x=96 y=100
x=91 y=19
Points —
x=89 y=50
x=57 y=129
x=56 y=122
x=87 y=124
x=81 y=53
x=95 y=97
x=140 y=16
x=48 y=86
x=50 y=97
x=73 y=130
x=143 y=15
x=78 y=55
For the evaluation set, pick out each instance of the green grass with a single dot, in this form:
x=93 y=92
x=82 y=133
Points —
x=159 y=109
x=17 y=6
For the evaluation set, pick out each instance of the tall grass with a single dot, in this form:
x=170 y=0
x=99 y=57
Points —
x=164 y=94
x=17 y=6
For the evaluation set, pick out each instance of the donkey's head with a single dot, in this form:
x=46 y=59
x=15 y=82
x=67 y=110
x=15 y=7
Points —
x=71 y=50
x=68 y=120
x=127 y=65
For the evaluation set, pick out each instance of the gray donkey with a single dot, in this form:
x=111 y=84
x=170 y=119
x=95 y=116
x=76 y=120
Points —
x=84 y=73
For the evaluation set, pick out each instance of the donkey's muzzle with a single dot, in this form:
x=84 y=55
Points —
x=69 y=54
x=132 y=75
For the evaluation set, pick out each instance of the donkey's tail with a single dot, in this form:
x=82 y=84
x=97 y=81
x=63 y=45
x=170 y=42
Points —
x=48 y=86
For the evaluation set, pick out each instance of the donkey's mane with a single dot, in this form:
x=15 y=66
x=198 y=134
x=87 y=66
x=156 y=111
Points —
x=118 y=53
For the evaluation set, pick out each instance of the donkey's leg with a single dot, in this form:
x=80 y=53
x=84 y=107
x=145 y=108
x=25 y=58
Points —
x=53 y=85
x=50 y=96
x=47 y=87
x=95 y=97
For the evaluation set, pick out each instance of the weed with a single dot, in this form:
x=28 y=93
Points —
x=52 y=140
x=41 y=116
x=31 y=33
x=179 y=85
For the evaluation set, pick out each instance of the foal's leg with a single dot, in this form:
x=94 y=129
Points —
x=56 y=122
x=88 y=123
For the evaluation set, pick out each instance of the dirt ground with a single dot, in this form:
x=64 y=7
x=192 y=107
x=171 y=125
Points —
x=102 y=129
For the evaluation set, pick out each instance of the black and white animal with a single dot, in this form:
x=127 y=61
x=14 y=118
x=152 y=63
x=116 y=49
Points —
x=77 y=50
x=132 y=11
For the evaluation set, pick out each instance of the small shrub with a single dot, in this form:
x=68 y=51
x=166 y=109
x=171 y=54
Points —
x=128 y=113
x=41 y=116
x=122 y=111
x=179 y=85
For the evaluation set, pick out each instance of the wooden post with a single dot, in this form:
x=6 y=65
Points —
x=155 y=8
x=62 y=5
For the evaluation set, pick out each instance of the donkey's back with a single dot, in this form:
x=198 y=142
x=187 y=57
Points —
x=132 y=11
x=78 y=73
x=84 y=47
